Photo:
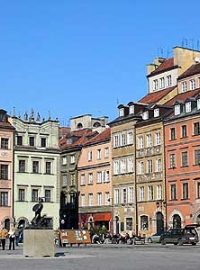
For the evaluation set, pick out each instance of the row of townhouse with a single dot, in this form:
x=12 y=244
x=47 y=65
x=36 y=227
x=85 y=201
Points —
x=140 y=172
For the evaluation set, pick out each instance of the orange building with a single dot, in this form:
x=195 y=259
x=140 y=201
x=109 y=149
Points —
x=6 y=171
x=94 y=182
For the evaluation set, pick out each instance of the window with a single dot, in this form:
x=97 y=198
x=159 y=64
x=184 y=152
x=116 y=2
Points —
x=121 y=112
x=72 y=159
x=130 y=137
x=149 y=166
x=124 y=196
x=169 y=80
x=107 y=177
x=141 y=167
x=4 y=143
x=116 y=168
x=184 y=131
x=144 y=223
x=35 y=166
x=99 y=198
x=177 y=109
x=32 y=141
x=162 y=82
x=3 y=172
x=140 y=142
x=82 y=179
x=48 y=167
x=116 y=141
x=89 y=155
x=35 y=195
x=99 y=177
x=196 y=128
x=173 y=192
x=98 y=153
x=107 y=198
x=107 y=152
x=72 y=178
x=149 y=140
x=19 y=140
x=155 y=84
x=141 y=193
x=156 y=112
x=198 y=104
x=123 y=166
x=131 y=109
x=43 y=142
x=4 y=198
x=188 y=107
x=123 y=139
x=130 y=167
x=64 y=160
x=64 y=180
x=47 y=194
x=192 y=84
x=22 y=167
x=145 y=115
x=197 y=157
x=184 y=87
x=90 y=178
x=184 y=156
x=158 y=165
x=21 y=195
x=150 y=193
x=173 y=134
x=116 y=196
x=157 y=138
x=129 y=224
x=82 y=200
x=159 y=192
x=172 y=163
x=185 y=190
x=198 y=190
x=90 y=199
x=130 y=194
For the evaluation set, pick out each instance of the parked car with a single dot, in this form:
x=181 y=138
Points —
x=188 y=235
x=155 y=238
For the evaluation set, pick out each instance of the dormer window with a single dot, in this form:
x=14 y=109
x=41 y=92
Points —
x=162 y=82
x=188 y=107
x=156 y=112
x=155 y=84
x=177 y=109
x=145 y=115
x=131 y=109
x=192 y=84
x=184 y=87
x=198 y=104
x=169 y=80
x=121 y=112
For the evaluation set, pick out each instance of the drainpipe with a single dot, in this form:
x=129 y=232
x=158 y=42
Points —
x=165 y=180
x=135 y=180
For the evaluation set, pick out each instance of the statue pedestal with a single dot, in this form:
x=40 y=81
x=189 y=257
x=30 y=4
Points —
x=38 y=243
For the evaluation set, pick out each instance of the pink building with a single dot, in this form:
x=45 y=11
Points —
x=6 y=170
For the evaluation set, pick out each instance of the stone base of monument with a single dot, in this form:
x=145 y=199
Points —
x=38 y=243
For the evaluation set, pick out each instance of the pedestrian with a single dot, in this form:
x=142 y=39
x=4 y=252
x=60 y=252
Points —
x=11 y=234
x=3 y=237
x=17 y=236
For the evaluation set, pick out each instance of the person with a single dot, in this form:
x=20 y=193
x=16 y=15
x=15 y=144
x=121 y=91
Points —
x=3 y=237
x=17 y=236
x=11 y=234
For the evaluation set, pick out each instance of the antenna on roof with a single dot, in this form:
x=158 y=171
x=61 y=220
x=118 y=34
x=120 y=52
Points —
x=117 y=101
x=161 y=52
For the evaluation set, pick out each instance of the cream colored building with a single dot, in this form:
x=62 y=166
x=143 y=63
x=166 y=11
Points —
x=36 y=169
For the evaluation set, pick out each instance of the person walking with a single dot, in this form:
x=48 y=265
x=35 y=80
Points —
x=3 y=237
x=11 y=234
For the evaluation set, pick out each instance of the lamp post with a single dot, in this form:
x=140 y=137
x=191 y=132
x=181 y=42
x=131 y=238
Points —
x=110 y=200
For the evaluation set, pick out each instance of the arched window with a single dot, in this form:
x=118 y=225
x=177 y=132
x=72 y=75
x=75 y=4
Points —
x=79 y=125
x=144 y=224
x=7 y=224
x=96 y=124
x=176 y=222
x=159 y=222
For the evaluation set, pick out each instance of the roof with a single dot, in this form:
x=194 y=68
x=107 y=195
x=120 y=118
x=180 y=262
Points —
x=102 y=137
x=156 y=96
x=167 y=64
x=183 y=97
x=194 y=69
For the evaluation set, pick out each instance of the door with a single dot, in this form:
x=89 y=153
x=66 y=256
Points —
x=159 y=222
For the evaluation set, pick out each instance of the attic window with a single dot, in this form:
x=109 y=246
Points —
x=184 y=87
x=96 y=124
x=131 y=109
x=192 y=84
x=79 y=126
x=177 y=109
x=188 y=107
x=156 y=112
x=121 y=112
x=145 y=115
x=198 y=104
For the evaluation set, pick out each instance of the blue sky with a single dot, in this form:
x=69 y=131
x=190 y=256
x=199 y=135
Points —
x=70 y=57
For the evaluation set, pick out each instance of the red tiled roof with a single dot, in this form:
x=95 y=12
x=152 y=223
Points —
x=166 y=65
x=156 y=96
x=102 y=137
x=183 y=97
x=194 y=69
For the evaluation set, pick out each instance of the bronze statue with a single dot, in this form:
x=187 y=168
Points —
x=39 y=221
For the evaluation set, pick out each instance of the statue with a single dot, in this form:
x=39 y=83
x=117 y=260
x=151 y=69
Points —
x=39 y=221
